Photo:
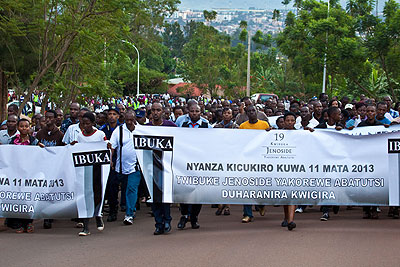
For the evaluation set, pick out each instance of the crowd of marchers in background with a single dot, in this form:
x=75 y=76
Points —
x=113 y=121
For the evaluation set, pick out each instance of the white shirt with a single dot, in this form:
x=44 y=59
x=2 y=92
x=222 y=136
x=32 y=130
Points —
x=96 y=136
x=298 y=123
x=5 y=138
x=71 y=134
x=128 y=150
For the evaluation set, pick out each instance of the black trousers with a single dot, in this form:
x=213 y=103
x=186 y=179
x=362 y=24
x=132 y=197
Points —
x=194 y=211
x=113 y=183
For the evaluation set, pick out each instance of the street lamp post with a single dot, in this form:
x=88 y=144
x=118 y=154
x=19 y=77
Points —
x=324 y=75
x=138 y=65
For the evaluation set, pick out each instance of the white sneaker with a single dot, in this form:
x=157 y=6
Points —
x=299 y=210
x=79 y=225
x=128 y=220
x=84 y=233
x=99 y=223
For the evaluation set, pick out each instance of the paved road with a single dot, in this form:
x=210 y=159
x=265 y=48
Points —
x=345 y=240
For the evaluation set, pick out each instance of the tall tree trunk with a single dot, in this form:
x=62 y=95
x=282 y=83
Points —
x=44 y=104
x=3 y=96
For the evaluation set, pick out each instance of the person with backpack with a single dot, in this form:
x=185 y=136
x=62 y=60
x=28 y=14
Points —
x=126 y=164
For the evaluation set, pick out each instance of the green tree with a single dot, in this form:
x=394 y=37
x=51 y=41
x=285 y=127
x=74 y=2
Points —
x=174 y=39
x=204 y=58
x=313 y=34
x=383 y=43
x=70 y=42
x=210 y=15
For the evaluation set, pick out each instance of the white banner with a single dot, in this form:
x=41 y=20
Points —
x=225 y=166
x=355 y=131
x=53 y=182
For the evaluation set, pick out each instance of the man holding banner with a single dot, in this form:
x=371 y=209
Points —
x=161 y=211
x=253 y=124
x=194 y=122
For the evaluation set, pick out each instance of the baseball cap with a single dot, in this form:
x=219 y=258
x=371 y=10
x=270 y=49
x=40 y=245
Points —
x=140 y=113
x=348 y=106
x=113 y=107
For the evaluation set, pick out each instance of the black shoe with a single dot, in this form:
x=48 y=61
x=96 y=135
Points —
x=227 y=211
x=219 y=211
x=374 y=214
x=159 y=231
x=47 y=224
x=85 y=231
x=291 y=226
x=284 y=223
x=99 y=223
x=112 y=218
x=325 y=216
x=336 y=209
x=167 y=227
x=195 y=225
x=395 y=213
x=390 y=212
x=182 y=222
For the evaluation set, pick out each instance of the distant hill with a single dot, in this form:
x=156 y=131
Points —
x=245 y=4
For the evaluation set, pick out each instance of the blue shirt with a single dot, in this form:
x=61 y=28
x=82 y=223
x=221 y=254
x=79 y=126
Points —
x=196 y=124
x=384 y=120
x=393 y=113
x=65 y=124
x=185 y=118
x=108 y=130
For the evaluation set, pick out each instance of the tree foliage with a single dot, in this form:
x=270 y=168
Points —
x=65 y=48
x=357 y=46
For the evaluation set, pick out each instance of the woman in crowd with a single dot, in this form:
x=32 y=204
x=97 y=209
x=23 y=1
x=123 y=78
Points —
x=23 y=139
x=288 y=221
x=90 y=134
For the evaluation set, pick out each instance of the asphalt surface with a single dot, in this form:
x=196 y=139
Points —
x=344 y=240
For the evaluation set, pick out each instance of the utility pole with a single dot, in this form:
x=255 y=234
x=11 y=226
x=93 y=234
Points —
x=248 y=63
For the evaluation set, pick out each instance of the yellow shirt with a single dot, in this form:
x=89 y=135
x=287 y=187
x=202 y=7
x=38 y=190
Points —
x=259 y=125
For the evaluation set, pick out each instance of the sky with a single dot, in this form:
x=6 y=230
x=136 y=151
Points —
x=260 y=4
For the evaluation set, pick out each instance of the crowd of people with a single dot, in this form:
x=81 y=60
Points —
x=114 y=120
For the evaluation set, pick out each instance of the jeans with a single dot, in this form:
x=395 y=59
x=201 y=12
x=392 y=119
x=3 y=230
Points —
x=162 y=214
x=247 y=211
x=132 y=192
